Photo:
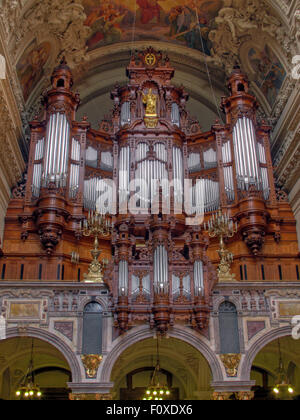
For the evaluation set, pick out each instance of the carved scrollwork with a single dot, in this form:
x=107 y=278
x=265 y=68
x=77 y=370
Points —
x=19 y=190
x=254 y=239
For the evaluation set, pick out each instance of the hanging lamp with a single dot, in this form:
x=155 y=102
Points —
x=28 y=390
x=157 y=390
x=283 y=390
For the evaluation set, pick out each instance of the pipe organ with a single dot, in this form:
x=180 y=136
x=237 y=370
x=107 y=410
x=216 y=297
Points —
x=150 y=169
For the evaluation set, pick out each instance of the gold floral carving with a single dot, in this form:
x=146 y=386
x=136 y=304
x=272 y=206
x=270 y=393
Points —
x=90 y=397
x=91 y=363
x=221 y=396
x=244 y=395
x=231 y=363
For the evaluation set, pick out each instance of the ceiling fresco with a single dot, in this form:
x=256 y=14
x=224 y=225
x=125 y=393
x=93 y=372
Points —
x=215 y=34
x=30 y=67
x=270 y=73
x=178 y=21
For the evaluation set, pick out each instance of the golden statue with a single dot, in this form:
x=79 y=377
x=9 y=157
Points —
x=150 y=100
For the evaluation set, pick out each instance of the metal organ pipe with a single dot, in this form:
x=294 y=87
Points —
x=228 y=172
x=175 y=114
x=210 y=158
x=74 y=168
x=37 y=168
x=123 y=278
x=106 y=160
x=264 y=171
x=177 y=174
x=206 y=196
x=245 y=148
x=56 y=156
x=150 y=171
x=198 y=278
x=194 y=162
x=98 y=194
x=125 y=113
x=161 y=269
x=124 y=174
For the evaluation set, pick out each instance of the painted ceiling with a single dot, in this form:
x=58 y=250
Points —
x=215 y=33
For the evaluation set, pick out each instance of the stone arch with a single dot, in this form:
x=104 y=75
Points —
x=259 y=345
x=55 y=341
x=103 y=301
x=142 y=333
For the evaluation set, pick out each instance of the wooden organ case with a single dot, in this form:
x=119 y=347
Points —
x=155 y=172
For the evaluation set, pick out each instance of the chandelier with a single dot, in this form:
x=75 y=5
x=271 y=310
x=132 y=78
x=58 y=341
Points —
x=157 y=391
x=283 y=390
x=220 y=225
x=28 y=390
x=95 y=225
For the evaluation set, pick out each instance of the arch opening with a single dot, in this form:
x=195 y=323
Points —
x=183 y=368
x=266 y=371
x=50 y=368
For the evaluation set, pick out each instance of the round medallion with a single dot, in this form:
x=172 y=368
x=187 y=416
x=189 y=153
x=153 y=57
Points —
x=150 y=59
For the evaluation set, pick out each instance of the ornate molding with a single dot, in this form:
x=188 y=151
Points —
x=234 y=26
x=9 y=158
x=91 y=363
x=231 y=363
x=63 y=21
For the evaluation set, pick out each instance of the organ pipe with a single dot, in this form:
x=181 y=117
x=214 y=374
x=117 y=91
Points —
x=161 y=269
x=56 y=157
x=37 y=168
x=74 y=168
x=228 y=171
x=245 y=148
x=125 y=113
x=91 y=157
x=194 y=162
x=264 y=171
x=175 y=115
x=98 y=194
x=210 y=158
x=205 y=196
x=106 y=161
x=123 y=278
x=198 y=278
x=150 y=173
x=178 y=175
x=124 y=174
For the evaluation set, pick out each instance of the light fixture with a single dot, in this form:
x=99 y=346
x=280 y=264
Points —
x=28 y=390
x=283 y=390
x=157 y=391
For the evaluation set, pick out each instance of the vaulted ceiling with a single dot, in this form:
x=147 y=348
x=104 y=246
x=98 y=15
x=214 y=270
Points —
x=204 y=39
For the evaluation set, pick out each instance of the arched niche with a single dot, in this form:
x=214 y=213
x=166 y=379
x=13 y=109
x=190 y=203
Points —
x=228 y=328
x=92 y=328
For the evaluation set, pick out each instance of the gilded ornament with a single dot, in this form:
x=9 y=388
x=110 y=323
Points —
x=231 y=363
x=150 y=101
x=150 y=59
x=91 y=363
